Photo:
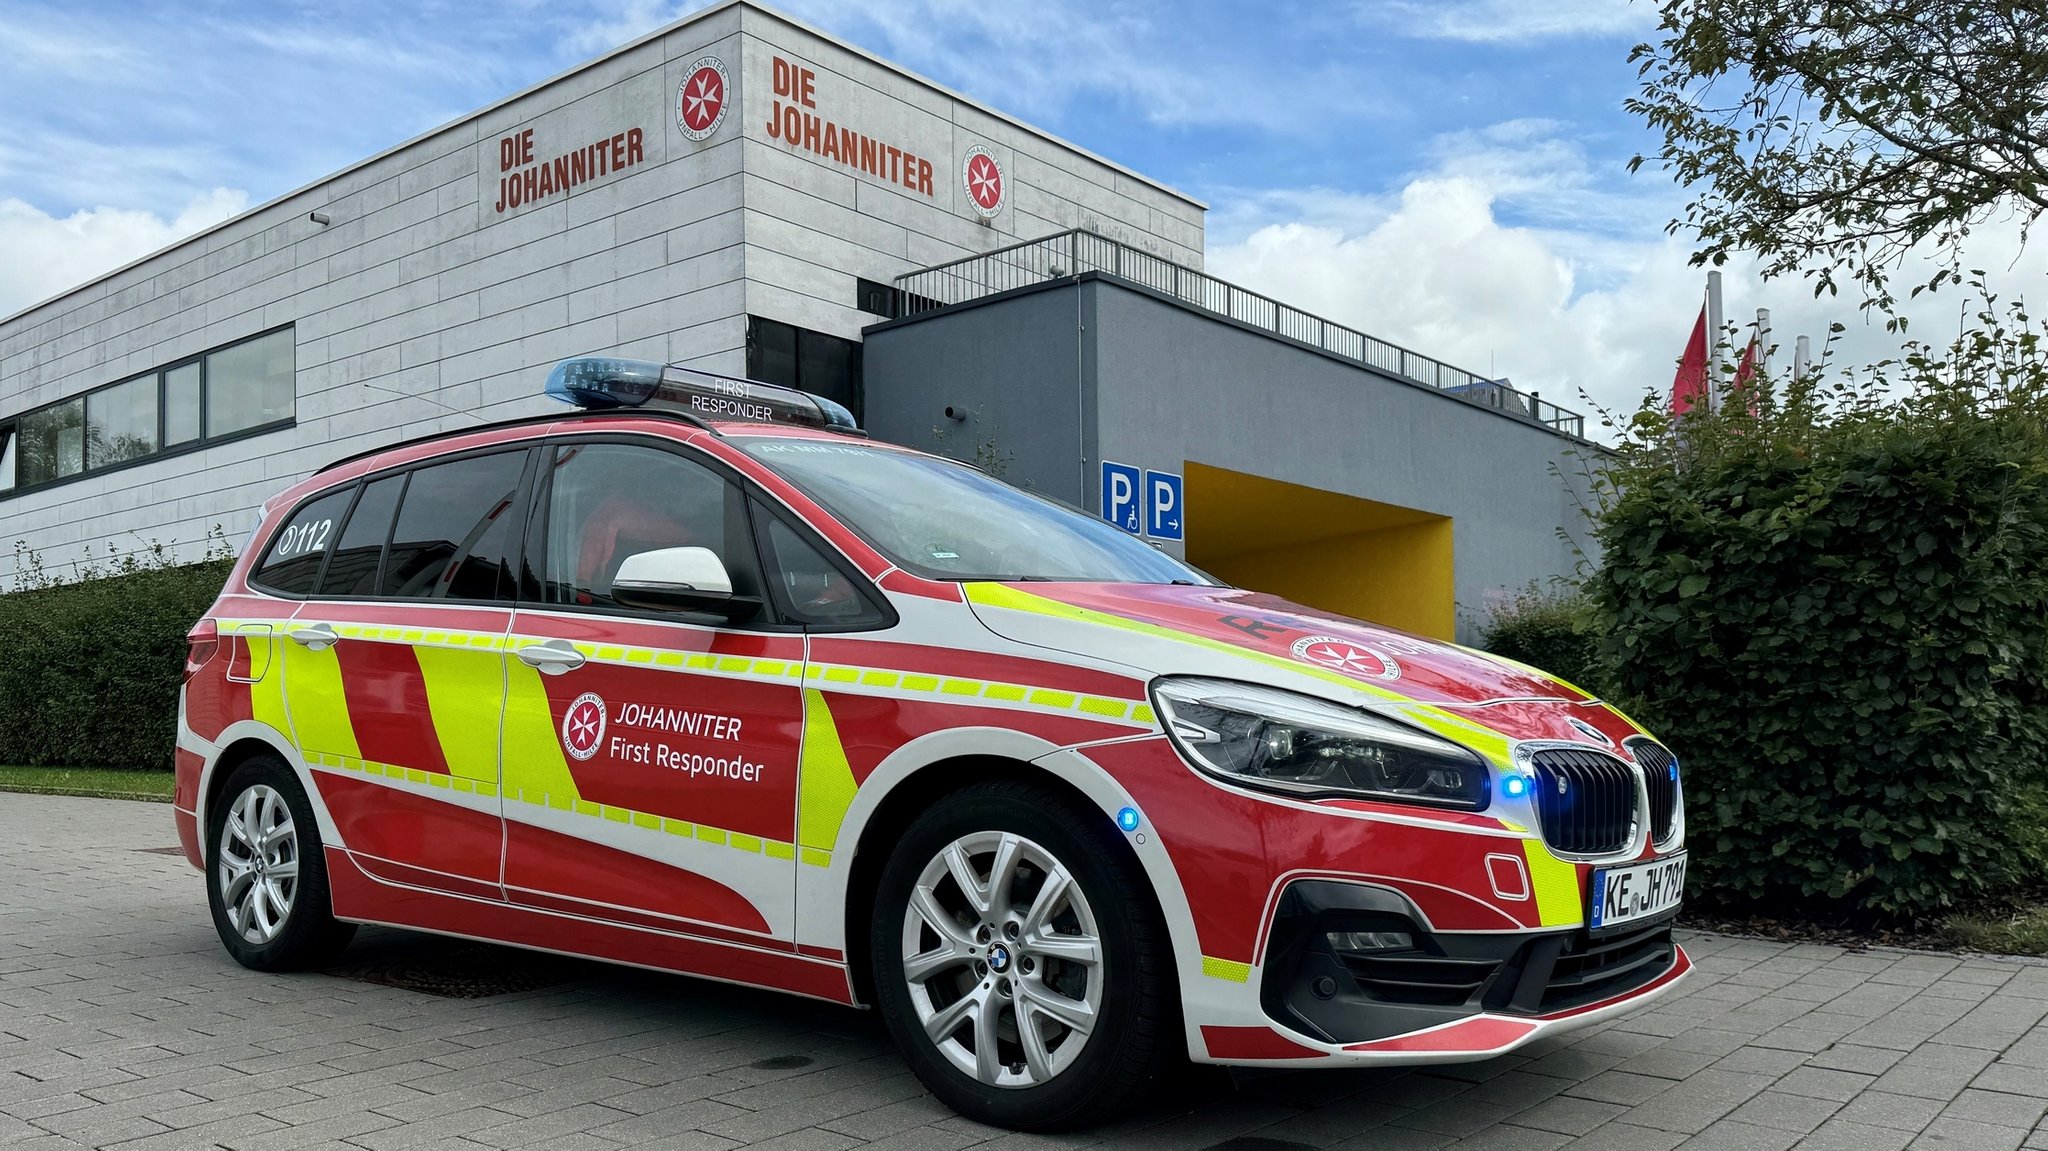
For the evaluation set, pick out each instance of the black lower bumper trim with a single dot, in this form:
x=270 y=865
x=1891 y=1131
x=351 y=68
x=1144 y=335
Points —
x=1385 y=974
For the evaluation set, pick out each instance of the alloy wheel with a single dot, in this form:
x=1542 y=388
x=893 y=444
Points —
x=259 y=864
x=1003 y=959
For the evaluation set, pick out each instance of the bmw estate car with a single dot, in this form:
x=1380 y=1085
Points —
x=693 y=676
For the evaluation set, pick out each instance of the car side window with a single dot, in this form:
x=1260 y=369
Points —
x=293 y=563
x=606 y=502
x=808 y=586
x=454 y=532
x=360 y=552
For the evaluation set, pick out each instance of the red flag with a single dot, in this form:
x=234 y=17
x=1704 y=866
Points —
x=1744 y=373
x=1689 y=386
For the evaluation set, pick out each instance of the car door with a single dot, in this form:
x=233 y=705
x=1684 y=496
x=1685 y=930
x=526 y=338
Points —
x=651 y=758
x=395 y=675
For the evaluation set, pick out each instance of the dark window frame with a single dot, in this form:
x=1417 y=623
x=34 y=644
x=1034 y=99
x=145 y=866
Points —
x=773 y=620
x=354 y=491
x=765 y=512
x=759 y=327
x=522 y=506
x=10 y=426
x=107 y=389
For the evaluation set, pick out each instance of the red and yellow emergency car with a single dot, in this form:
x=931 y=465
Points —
x=698 y=678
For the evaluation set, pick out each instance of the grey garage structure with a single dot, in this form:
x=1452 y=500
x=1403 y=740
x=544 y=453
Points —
x=745 y=194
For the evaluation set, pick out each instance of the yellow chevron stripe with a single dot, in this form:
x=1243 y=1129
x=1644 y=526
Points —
x=825 y=784
x=1557 y=886
x=832 y=676
x=319 y=711
x=465 y=697
x=534 y=761
x=1228 y=969
x=1477 y=736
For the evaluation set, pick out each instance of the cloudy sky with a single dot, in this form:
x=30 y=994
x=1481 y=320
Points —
x=1448 y=174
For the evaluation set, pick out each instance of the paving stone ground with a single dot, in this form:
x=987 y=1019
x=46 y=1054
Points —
x=123 y=1024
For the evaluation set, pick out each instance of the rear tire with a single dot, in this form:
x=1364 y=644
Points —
x=266 y=873
x=1020 y=961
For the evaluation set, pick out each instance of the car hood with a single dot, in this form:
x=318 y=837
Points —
x=1232 y=633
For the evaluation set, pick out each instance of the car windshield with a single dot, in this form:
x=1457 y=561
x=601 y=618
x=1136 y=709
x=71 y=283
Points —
x=944 y=520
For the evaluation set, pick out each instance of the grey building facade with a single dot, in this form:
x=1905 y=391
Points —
x=1409 y=494
x=609 y=209
x=745 y=194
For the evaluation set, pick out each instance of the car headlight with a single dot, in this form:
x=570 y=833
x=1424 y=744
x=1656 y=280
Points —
x=1263 y=737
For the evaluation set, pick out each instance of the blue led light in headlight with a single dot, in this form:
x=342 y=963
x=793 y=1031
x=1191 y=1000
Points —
x=1515 y=786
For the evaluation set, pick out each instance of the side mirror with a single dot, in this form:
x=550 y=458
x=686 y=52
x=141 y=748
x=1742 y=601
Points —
x=680 y=579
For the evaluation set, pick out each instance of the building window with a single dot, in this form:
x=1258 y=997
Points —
x=120 y=422
x=779 y=353
x=881 y=299
x=250 y=384
x=182 y=410
x=231 y=390
x=889 y=301
x=53 y=442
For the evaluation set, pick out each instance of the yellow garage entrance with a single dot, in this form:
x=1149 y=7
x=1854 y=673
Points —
x=1340 y=553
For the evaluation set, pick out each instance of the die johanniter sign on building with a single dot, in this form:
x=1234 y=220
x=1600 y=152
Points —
x=791 y=121
x=522 y=181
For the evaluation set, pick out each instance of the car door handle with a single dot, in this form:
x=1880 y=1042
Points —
x=553 y=656
x=315 y=636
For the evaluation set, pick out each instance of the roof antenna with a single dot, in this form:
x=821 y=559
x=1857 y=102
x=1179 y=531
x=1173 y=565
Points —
x=427 y=398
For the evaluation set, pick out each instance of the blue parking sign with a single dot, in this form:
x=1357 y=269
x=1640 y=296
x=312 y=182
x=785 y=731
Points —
x=1164 y=516
x=1122 y=497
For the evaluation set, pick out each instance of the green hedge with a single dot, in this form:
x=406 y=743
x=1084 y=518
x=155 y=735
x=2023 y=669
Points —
x=1837 y=616
x=89 y=671
x=1550 y=630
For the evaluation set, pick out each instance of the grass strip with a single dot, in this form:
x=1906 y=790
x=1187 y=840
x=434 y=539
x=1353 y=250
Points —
x=98 y=782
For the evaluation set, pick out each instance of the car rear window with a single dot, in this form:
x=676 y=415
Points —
x=292 y=565
x=453 y=535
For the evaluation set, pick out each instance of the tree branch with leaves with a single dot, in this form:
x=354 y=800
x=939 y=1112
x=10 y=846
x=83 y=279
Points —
x=1833 y=137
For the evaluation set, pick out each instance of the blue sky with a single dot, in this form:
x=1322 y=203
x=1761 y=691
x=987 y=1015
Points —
x=1449 y=174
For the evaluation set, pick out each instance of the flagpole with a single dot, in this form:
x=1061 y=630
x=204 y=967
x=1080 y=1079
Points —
x=1802 y=358
x=1714 y=338
x=1763 y=340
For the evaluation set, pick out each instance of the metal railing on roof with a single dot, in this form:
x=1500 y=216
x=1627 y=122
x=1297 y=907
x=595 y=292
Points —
x=1073 y=252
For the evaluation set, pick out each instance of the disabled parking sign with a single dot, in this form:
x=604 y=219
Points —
x=1143 y=502
x=1123 y=496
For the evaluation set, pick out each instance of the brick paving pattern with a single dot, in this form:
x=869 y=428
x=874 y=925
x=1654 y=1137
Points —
x=123 y=1024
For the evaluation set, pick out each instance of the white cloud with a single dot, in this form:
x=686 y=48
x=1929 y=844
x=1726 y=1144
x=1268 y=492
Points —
x=1037 y=60
x=47 y=254
x=1501 y=21
x=1511 y=260
x=621 y=22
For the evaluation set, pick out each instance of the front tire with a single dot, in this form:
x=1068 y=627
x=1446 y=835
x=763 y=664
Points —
x=266 y=874
x=1020 y=962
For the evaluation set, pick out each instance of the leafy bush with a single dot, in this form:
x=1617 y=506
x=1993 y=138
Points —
x=1550 y=630
x=1835 y=610
x=89 y=671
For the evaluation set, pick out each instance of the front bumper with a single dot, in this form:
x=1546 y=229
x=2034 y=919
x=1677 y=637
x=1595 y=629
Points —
x=1413 y=995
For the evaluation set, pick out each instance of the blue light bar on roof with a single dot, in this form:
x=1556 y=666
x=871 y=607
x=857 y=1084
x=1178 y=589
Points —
x=599 y=382
x=596 y=383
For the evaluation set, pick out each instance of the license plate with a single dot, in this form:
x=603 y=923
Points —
x=1644 y=891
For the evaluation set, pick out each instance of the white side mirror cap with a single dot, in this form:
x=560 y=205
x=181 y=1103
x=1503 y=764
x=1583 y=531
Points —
x=684 y=570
